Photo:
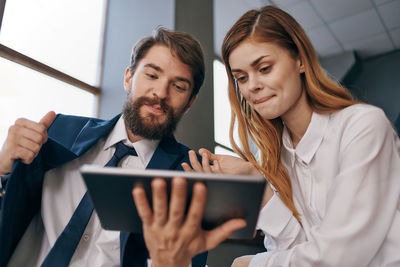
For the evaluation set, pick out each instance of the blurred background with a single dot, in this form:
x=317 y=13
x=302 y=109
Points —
x=70 y=56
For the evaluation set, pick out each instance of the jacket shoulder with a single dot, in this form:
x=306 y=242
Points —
x=66 y=128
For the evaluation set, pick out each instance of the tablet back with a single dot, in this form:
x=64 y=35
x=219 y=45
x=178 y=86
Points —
x=228 y=196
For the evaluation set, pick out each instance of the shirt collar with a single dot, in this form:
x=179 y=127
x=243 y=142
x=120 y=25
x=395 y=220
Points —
x=144 y=148
x=311 y=140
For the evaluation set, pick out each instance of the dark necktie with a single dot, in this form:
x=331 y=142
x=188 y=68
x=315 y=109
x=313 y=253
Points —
x=66 y=243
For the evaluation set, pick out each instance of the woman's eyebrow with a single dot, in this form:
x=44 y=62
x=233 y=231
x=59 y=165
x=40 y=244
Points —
x=253 y=64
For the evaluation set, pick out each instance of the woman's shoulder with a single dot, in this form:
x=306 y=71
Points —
x=360 y=113
x=361 y=119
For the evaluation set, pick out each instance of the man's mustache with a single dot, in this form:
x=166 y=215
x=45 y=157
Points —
x=154 y=101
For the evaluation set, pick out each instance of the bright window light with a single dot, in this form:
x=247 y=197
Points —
x=30 y=94
x=64 y=34
x=222 y=108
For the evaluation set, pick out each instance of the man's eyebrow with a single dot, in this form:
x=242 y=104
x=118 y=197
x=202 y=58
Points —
x=254 y=63
x=155 y=67
x=182 y=79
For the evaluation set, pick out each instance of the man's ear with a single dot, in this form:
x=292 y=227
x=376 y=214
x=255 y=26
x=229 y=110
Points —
x=189 y=104
x=128 y=79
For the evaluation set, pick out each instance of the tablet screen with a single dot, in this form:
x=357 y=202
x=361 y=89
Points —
x=228 y=196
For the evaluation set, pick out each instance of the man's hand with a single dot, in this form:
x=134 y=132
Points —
x=173 y=238
x=24 y=140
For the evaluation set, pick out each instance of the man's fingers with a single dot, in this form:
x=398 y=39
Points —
x=160 y=201
x=197 y=205
x=26 y=151
x=219 y=234
x=178 y=201
x=142 y=204
x=48 y=119
x=24 y=128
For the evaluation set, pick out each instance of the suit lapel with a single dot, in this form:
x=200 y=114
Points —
x=167 y=155
x=91 y=133
x=57 y=152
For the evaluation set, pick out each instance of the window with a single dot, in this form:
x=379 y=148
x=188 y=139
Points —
x=222 y=114
x=50 y=55
x=222 y=110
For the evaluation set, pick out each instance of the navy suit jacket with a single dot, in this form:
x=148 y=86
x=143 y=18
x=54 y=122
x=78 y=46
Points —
x=69 y=138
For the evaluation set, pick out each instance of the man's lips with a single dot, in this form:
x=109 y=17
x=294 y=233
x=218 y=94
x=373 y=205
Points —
x=262 y=99
x=157 y=109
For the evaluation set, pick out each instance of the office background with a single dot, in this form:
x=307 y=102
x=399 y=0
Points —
x=358 y=43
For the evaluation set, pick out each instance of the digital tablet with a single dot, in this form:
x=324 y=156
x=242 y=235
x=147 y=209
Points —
x=228 y=196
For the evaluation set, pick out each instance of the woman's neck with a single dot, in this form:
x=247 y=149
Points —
x=297 y=119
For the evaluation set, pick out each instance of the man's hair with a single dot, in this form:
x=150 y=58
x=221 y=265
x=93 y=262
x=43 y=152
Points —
x=183 y=45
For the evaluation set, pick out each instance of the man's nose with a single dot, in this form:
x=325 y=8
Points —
x=161 y=91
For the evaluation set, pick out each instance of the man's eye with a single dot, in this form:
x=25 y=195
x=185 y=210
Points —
x=152 y=76
x=179 y=87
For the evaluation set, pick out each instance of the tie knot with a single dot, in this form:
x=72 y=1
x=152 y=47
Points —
x=122 y=150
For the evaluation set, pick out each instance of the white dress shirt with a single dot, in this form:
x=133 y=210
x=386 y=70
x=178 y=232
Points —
x=63 y=189
x=345 y=174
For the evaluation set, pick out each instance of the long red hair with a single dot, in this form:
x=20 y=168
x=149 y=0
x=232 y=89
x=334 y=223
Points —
x=271 y=24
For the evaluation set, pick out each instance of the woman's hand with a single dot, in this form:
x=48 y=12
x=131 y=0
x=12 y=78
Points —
x=221 y=164
x=243 y=261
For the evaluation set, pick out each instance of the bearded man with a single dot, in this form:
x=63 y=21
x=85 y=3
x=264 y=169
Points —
x=47 y=217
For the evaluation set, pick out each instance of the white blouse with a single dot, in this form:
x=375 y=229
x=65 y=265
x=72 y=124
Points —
x=345 y=175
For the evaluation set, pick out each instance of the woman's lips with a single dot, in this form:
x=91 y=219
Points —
x=262 y=100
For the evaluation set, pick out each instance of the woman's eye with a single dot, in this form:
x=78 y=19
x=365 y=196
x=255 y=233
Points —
x=241 y=79
x=264 y=69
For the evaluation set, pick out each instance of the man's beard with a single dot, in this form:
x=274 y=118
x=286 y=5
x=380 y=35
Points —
x=149 y=127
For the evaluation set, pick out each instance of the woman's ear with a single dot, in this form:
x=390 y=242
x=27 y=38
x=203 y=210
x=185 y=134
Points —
x=301 y=65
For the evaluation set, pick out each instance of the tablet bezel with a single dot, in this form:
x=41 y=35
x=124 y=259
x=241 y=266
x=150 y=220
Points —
x=228 y=196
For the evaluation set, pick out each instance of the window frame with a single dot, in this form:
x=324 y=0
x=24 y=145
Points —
x=38 y=66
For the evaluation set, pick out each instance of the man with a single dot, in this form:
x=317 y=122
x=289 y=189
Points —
x=44 y=191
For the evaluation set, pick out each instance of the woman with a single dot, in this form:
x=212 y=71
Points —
x=332 y=163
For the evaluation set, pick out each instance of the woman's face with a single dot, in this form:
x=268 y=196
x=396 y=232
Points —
x=268 y=78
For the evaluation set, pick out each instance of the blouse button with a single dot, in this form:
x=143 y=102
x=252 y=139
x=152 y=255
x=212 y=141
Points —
x=86 y=237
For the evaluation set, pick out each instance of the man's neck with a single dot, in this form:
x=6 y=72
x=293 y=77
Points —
x=133 y=138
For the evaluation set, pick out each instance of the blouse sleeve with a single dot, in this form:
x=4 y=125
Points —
x=362 y=202
x=281 y=228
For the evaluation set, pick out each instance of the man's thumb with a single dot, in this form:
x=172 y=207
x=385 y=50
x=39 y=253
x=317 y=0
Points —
x=48 y=119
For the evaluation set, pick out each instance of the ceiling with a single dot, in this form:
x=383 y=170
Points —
x=369 y=27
